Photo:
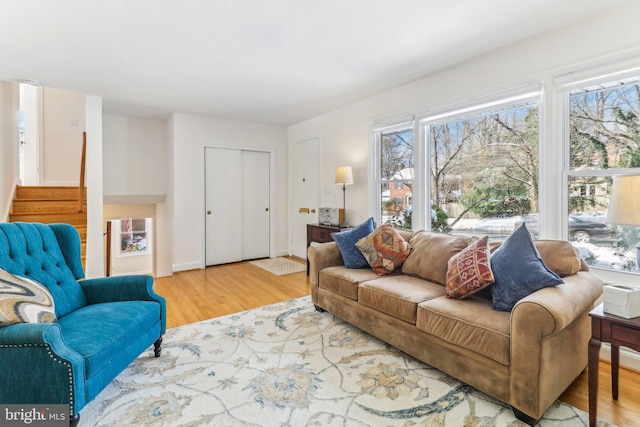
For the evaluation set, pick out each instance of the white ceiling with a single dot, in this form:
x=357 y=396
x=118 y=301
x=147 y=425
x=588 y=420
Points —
x=272 y=61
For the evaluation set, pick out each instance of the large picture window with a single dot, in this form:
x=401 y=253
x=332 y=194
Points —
x=604 y=141
x=484 y=171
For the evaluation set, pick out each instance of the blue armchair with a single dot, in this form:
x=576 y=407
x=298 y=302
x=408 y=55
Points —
x=103 y=324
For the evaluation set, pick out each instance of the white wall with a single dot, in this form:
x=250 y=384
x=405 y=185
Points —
x=95 y=225
x=189 y=135
x=9 y=138
x=62 y=127
x=134 y=156
x=345 y=135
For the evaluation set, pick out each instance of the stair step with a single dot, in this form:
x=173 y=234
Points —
x=47 y=193
x=77 y=218
x=44 y=206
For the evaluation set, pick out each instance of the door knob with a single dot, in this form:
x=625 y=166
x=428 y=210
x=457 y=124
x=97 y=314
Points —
x=208 y=212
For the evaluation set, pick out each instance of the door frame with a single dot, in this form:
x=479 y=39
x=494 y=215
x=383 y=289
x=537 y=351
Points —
x=272 y=196
x=319 y=180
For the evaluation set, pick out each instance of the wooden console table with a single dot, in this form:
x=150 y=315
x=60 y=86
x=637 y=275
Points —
x=617 y=331
x=321 y=234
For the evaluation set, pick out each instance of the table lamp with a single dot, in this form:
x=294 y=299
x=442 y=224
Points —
x=624 y=204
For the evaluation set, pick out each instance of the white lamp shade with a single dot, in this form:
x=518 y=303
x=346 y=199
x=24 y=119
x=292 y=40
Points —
x=624 y=205
x=344 y=175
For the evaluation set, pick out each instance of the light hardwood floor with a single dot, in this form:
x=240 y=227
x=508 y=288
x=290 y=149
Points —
x=198 y=295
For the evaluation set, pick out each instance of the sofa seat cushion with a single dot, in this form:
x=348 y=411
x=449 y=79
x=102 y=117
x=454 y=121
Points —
x=100 y=332
x=470 y=323
x=398 y=296
x=344 y=281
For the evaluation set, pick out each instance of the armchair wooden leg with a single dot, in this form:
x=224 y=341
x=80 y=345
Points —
x=157 y=347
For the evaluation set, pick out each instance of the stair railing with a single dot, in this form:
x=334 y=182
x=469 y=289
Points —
x=82 y=173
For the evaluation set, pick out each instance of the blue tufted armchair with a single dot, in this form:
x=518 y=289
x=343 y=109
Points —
x=103 y=324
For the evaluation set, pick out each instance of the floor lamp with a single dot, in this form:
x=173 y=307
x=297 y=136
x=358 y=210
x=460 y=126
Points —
x=624 y=204
x=344 y=177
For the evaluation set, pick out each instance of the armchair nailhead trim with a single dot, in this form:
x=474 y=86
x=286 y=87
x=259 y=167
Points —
x=55 y=359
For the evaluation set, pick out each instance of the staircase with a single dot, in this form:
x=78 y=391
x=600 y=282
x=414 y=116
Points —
x=49 y=205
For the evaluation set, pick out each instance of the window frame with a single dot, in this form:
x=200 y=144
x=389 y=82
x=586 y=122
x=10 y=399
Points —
x=604 y=78
x=377 y=131
x=147 y=231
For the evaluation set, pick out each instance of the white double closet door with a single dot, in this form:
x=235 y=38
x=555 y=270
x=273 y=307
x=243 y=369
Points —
x=237 y=205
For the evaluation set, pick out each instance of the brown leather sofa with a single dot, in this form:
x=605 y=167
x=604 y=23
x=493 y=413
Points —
x=525 y=358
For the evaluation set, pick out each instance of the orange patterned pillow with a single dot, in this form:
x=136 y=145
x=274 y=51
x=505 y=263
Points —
x=469 y=270
x=384 y=249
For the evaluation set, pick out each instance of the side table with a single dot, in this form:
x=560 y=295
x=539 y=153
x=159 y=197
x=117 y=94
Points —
x=321 y=234
x=617 y=331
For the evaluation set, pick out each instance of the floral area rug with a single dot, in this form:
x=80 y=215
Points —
x=289 y=365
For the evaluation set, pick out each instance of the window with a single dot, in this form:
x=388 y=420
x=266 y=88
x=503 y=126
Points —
x=484 y=170
x=394 y=175
x=603 y=141
x=133 y=236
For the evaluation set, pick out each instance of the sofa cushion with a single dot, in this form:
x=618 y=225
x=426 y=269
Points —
x=24 y=301
x=431 y=253
x=385 y=250
x=344 y=281
x=346 y=241
x=398 y=296
x=469 y=270
x=470 y=323
x=560 y=256
x=518 y=270
x=99 y=332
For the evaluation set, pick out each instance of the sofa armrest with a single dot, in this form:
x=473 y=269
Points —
x=322 y=255
x=38 y=367
x=556 y=307
x=549 y=337
x=123 y=288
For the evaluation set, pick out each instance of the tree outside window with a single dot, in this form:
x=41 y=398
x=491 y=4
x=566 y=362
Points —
x=484 y=171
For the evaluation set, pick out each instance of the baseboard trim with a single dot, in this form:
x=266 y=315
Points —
x=187 y=266
x=628 y=359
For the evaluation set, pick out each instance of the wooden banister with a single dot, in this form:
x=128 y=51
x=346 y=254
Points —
x=108 y=250
x=82 y=173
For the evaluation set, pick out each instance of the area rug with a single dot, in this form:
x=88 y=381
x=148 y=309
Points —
x=279 y=266
x=288 y=365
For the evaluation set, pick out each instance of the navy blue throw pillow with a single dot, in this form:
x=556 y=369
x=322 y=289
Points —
x=346 y=240
x=518 y=271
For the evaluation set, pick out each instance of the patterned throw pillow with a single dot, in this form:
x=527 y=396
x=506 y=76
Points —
x=384 y=249
x=24 y=301
x=346 y=241
x=519 y=270
x=469 y=270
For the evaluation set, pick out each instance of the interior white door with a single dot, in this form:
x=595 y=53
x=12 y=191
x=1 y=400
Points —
x=255 y=204
x=305 y=193
x=223 y=204
x=30 y=162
